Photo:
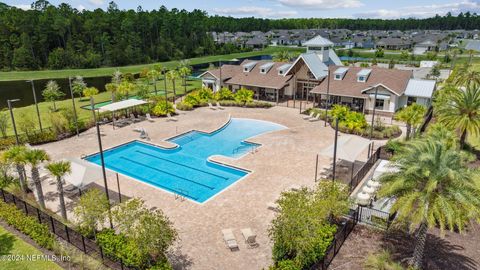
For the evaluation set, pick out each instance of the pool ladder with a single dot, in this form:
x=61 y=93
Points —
x=181 y=197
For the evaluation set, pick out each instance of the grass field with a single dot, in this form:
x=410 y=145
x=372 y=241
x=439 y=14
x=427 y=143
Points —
x=12 y=245
x=44 y=107
x=107 y=71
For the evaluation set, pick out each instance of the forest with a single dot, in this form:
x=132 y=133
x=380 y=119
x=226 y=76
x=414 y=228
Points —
x=58 y=37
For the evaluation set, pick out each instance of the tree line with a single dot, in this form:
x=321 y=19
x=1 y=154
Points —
x=57 y=37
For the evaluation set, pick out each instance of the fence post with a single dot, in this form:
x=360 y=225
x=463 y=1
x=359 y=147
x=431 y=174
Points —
x=25 y=206
x=53 y=226
x=83 y=245
x=68 y=234
x=101 y=252
x=38 y=216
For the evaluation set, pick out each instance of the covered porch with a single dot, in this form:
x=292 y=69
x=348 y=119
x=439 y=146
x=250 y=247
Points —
x=354 y=103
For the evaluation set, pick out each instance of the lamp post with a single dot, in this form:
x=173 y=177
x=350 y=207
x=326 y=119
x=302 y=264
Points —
x=92 y=104
x=73 y=103
x=36 y=104
x=373 y=117
x=164 y=70
x=335 y=150
x=9 y=102
x=328 y=96
x=220 y=66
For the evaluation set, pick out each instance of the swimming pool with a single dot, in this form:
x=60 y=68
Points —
x=186 y=170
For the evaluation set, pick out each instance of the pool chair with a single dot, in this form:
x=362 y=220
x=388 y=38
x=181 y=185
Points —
x=149 y=118
x=306 y=117
x=316 y=118
x=134 y=119
x=229 y=239
x=273 y=206
x=171 y=118
x=220 y=106
x=250 y=238
x=211 y=106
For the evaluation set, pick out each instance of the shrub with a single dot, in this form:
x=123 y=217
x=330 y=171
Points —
x=40 y=137
x=193 y=99
x=205 y=94
x=184 y=106
x=224 y=94
x=5 y=143
x=285 y=265
x=90 y=92
x=244 y=95
x=27 y=225
x=59 y=123
x=162 y=108
x=4 y=123
x=119 y=247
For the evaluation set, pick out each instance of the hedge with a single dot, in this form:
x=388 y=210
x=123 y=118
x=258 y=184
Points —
x=27 y=225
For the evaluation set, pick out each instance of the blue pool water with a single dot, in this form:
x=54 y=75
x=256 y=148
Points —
x=186 y=170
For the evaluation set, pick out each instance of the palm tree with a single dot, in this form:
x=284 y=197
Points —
x=412 y=116
x=5 y=166
x=34 y=157
x=117 y=77
x=59 y=169
x=16 y=155
x=172 y=75
x=462 y=111
x=282 y=56
x=153 y=76
x=467 y=76
x=184 y=72
x=470 y=55
x=432 y=187
x=112 y=88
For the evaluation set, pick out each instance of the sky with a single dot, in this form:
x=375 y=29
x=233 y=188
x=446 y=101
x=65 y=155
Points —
x=384 y=9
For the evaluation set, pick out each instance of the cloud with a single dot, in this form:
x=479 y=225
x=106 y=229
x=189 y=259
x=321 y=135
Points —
x=424 y=11
x=80 y=7
x=97 y=2
x=23 y=6
x=254 y=11
x=321 y=4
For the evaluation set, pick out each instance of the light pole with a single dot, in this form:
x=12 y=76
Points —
x=328 y=96
x=36 y=104
x=9 y=102
x=373 y=117
x=220 y=66
x=92 y=104
x=335 y=150
x=165 y=84
x=73 y=103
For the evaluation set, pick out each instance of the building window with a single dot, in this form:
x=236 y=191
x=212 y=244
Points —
x=379 y=103
x=361 y=79
x=245 y=70
x=338 y=77
x=263 y=70
x=411 y=100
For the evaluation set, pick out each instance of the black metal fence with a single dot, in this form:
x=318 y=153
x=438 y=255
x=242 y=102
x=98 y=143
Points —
x=342 y=233
x=380 y=153
x=63 y=231
x=374 y=217
x=427 y=119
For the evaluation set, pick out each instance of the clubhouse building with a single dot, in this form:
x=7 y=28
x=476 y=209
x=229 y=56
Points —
x=319 y=74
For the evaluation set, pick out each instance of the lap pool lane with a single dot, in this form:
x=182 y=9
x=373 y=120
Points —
x=186 y=170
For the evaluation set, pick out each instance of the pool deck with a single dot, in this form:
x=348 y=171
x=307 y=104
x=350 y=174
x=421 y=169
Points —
x=286 y=158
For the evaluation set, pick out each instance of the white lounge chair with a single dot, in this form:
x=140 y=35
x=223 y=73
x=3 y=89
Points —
x=250 y=238
x=211 y=106
x=149 y=118
x=229 y=239
x=273 y=206
x=306 y=117
x=220 y=106
x=316 y=118
x=171 y=118
x=134 y=119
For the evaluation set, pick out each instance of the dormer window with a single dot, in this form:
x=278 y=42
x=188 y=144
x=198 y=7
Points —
x=340 y=73
x=265 y=68
x=280 y=72
x=249 y=66
x=363 y=74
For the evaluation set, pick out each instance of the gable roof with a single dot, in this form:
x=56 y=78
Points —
x=393 y=80
x=420 y=88
x=271 y=79
x=228 y=71
x=318 y=41
x=315 y=64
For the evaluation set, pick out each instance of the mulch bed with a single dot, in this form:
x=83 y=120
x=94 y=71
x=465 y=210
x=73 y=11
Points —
x=453 y=251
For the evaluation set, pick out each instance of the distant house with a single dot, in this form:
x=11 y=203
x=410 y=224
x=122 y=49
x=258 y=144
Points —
x=393 y=44
x=259 y=42
x=473 y=45
x=425 y=46
x=356 y=86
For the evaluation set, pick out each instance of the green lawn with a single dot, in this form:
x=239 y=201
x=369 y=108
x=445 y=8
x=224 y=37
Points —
x=12 y=245
x=44 y=107
x=107 y=71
